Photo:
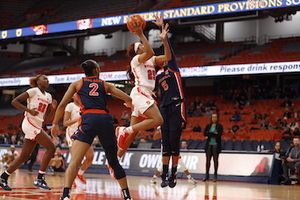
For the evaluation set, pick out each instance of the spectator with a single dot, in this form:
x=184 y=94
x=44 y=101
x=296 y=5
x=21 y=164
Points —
x=236 y=117
x=228 y=134
x=125 y=116
x=96 y=142
x=2 y=138
x=213 y=131
x=287 y=102
x=287 y=134
x=184 y=144
x=197 y=128
x=293 y=125
x=241 y=133
x=190 y=110
x=143 y=140
x=240 y=102
x=33 y=157
x=279 y=154
x=58 y=162
x=210 y=104
x=196 y=103
x=115 y=120
x=254 y=119
x=265 y=124
x=296 y=132
x=292 y=162
x=235 y=127
x=198 y=112
x=278 y=124
x=208 y=112
x=10 y=156
x=287 y=114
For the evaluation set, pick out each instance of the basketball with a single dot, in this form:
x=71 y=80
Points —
x=137 y=19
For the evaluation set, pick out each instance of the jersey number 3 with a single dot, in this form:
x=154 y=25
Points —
x=94 y=87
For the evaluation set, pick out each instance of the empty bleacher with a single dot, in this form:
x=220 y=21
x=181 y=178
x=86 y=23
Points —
x=279 y=50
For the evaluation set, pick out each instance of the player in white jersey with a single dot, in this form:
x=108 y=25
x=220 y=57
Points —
x=71 y=119
x=145 y=114
x=37 y=109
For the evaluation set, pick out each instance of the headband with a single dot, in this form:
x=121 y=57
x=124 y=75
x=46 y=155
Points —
x=136 y=46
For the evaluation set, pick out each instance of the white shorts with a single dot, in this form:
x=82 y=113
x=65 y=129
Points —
x=30 y=128
x=141 y=100
x=69 y=133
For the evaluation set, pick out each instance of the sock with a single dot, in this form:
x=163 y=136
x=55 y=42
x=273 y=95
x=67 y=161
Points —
x=165 y=169
x=80 y=172
x=126 y=193
x=41 y=174
x=154 y=176
x=189 y=176
x=129 y=130
x=174 y=169
x=66 y=192
x=5 y=175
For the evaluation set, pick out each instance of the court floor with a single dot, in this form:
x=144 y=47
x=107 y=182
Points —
x=102 y=187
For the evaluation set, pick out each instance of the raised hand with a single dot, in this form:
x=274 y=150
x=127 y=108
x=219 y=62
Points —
x=137 y=28
x=164 y=32
x=159 y=21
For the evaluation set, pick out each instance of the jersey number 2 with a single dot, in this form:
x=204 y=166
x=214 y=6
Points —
x=94 y=87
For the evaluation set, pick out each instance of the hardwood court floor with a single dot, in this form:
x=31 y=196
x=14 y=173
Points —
x=102 y=187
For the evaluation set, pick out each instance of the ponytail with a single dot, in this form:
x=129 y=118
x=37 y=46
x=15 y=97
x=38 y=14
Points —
x=130 y=74
x=88 y=67
x=33 y=80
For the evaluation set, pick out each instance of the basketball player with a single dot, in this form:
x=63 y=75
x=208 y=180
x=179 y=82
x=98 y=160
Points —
x=71 y=117
x=95 y=120
x=184 y=169
x=145 y=114
x=180 y=162
x=37 y=108
x=172 y=109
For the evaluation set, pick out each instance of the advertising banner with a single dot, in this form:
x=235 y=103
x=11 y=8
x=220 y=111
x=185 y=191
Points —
x=185 y=12
x=230 y=163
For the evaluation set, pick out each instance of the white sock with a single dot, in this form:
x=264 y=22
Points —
x=129 y=129
x=154 y=176
x=189 y=176
x=42 y=172
x=80 y=172
x=7 y=173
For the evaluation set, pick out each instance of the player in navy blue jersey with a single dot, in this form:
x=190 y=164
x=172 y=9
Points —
x=95 y=120
x=172 y=109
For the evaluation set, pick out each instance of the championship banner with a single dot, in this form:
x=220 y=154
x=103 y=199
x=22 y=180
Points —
x=185 y=12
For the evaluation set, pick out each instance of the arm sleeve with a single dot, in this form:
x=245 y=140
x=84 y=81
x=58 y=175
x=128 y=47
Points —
x=172 y=64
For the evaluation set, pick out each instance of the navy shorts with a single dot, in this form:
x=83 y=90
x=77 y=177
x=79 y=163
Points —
x=93 y=124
